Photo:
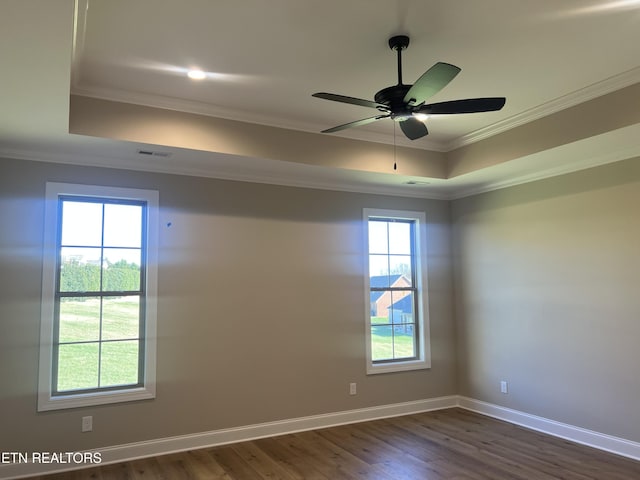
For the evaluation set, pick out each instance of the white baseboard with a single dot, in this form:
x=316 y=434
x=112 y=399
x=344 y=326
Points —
x=162 y=446
x=601 y=441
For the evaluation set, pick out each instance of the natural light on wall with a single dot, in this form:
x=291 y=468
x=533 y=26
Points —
x=196 y=74
x=609 y=6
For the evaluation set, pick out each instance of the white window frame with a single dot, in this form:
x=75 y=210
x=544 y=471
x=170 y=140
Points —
x=423 y=359
x=46 y=401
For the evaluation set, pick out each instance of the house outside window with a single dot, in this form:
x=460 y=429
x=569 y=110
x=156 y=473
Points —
x=98 y=297
x=397 y=327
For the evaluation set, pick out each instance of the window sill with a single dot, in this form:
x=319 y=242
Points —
x=373 y=369
x=47 y=402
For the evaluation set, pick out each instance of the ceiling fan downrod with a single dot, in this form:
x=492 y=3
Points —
x=393 y=97
x=399 y=43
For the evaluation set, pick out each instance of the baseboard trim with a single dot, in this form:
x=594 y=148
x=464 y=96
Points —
x=163 y=446
x=601 y=441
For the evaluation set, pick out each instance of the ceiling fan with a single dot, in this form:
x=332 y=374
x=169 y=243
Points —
x=406 y=103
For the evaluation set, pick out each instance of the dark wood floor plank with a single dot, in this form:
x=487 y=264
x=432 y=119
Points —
x=335 y=461
x=278 y=448
x=366 y=447
x=267 y=466
x=420 y=456
x=205 y=466
x=178 y=465
x=406 y=441
x=120 y=471
x=523 y=463
x=324 y=464
x=524 y=445
x=232 y=463
x=463 y=454
x=452 y=444
x=551 y=453
x=375 y=451
x=147 y=469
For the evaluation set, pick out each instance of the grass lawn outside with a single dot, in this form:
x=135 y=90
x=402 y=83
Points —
x=84 y=361
x=389 y=341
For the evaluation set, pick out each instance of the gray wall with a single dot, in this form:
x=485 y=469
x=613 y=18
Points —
x=261 y=313
x=547 y=285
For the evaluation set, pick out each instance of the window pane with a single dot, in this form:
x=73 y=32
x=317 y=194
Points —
x=381 y=343
x=122 y=270
x=122 y=225
x=379 y=271
x=378 y=238
x=402 y=307
x=380 y=301
x=403 y=341
x=119 y=363
x=120 y=318
x=80 y=269
x=79 y=319
x=81 y=223
x=400 y=238
x=401 y=265
x=77 y=366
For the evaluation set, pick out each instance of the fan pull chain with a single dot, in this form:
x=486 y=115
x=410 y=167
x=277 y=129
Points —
x=395 y=162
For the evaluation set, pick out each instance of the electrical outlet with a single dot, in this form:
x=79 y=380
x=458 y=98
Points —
x=87 y=424
x=352 y=389
x=504 y=386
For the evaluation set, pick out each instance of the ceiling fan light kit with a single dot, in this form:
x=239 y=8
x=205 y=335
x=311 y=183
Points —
x=406 y=103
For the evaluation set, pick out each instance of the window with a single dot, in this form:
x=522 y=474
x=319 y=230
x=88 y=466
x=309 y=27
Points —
x=396 y=309
x=98 y=296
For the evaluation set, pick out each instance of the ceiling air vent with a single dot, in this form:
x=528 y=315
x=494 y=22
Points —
x=152 y=153
x=416 y=182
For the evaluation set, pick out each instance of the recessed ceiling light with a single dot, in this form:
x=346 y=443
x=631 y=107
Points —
x=196 y=74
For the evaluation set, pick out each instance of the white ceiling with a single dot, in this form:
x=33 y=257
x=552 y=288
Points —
x=265 y=59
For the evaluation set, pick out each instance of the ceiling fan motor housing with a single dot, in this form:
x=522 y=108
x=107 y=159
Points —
x=393 y=98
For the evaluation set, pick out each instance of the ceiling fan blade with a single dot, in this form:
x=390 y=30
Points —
x=413 y=128
x=469 y=105
x=353 y=101
x=357 y=123
x=431 y=82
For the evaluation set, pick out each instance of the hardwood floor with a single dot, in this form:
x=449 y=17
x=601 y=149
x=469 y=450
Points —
x=452 y=444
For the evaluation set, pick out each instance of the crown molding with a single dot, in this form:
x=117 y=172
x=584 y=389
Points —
x=309 y=176
x=628 y=149
x=455 y=194
x=312 y=178
x=604 y=87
